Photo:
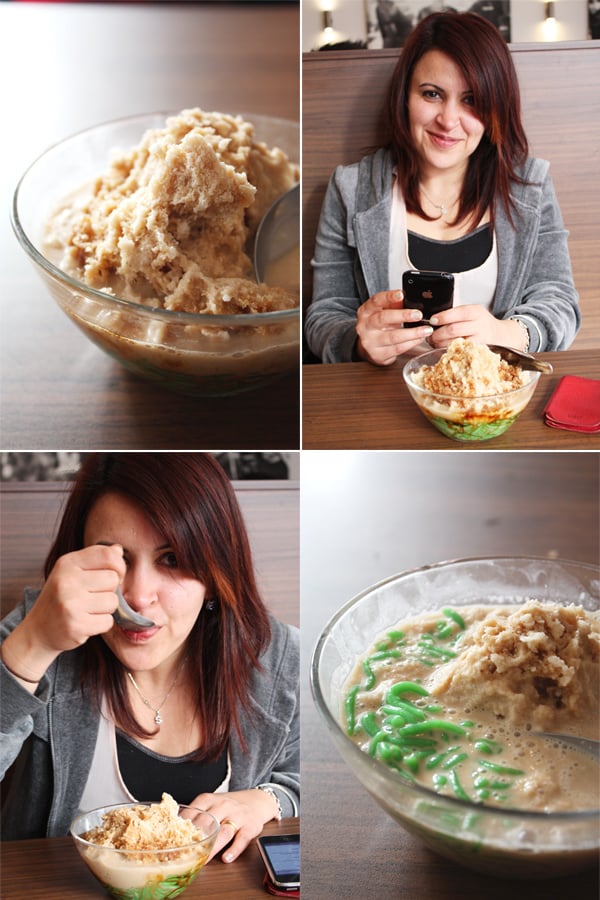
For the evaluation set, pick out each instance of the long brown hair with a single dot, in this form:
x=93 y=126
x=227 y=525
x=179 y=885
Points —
x=191 y=502
x=482 y=54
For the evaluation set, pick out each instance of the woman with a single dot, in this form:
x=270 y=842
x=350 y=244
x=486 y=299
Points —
x=454 y=191
x=202 y=705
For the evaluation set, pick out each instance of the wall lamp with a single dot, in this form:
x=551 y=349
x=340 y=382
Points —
x=550 y=27
x=328 y=32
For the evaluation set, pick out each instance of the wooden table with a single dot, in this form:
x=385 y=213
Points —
x=357 y=405
x=366 y=516
x=67 y=67
x=51 y=869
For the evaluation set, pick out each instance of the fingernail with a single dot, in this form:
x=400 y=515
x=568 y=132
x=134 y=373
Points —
x=427 y=330
x=398 y=295
x=434 y=320
x=414 y=315
x=228 y=857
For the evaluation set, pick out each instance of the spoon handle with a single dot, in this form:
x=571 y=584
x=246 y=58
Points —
x=586 y=745
x=524 y=360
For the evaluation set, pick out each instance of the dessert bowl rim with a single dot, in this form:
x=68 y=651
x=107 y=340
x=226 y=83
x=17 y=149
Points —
x=378 y=765
x=411 y=365
x=158 y=850
x=170 y=316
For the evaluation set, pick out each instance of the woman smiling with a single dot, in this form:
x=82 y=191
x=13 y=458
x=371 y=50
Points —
x=454 y=191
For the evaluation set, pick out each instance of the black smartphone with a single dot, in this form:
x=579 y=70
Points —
x=281 y=856
x=431 y=292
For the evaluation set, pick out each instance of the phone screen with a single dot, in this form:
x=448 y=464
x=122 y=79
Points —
x=282 y=858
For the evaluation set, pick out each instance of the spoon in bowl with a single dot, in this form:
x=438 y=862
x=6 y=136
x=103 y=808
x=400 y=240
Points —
x=585 y=745
x=524 y=360
x=278 y=231
x=127 y=618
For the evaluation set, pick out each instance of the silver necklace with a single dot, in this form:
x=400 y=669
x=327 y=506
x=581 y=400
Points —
x=156 y=710
x=443 y=208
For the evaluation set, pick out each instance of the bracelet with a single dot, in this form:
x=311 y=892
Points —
x=20 y=677
x=525 y=330
x=269 y=790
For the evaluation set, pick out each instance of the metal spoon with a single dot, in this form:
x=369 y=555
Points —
x=586 y=745
x=524 y=360
x=278 y=232
x=125 y=616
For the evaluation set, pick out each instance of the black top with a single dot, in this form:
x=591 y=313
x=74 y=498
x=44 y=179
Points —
x=147 y=774
x=460 y=255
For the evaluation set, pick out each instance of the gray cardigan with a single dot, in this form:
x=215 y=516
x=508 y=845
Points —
x=351 y=258
x=52 y=736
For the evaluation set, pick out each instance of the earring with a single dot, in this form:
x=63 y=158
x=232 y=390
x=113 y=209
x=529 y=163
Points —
x=210 y=605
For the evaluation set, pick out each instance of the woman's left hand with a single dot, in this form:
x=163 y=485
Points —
x=477 y=324
x=242 y=815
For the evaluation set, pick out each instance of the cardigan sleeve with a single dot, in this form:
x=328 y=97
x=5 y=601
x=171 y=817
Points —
x=284 y=776
x=268 y=755
x=541 y=292
x=18 y=707
x=330 y=321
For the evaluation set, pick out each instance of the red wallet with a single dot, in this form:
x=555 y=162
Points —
x=575 y=405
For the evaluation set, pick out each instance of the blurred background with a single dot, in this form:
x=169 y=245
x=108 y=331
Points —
x=62 y=465
x=373 y=24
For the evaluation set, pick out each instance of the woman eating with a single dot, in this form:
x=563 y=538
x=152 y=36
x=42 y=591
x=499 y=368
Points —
x=201 y=704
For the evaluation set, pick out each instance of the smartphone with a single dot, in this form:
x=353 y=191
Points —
x=281 y=856
x=431 y=292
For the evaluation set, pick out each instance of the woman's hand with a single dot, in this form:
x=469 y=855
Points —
x=242 y=815
x=76 y=602
x=380 y=328
x=477 y=324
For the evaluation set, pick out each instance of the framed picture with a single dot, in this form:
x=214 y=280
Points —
x=390 y=21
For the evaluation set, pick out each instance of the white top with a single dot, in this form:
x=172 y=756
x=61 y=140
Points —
x=473 y=286
x=105 y=785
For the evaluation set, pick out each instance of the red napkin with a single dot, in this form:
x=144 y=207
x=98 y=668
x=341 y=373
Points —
x=575 y=405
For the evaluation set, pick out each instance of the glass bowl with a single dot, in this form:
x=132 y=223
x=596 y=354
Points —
x=497 y=841
x=467 y=418
x=196 y=354
x=145 y=874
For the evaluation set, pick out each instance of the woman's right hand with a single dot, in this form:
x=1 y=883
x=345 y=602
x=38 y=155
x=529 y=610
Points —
x=76 y=602
x=382 y=337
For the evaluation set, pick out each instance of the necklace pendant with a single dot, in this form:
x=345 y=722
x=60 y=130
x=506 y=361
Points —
x=158 y=718
x=444 y=210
